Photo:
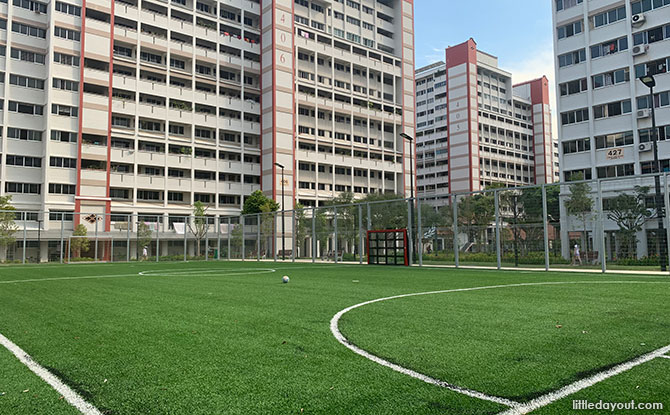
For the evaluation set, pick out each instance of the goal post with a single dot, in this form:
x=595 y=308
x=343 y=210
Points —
x=387 y=247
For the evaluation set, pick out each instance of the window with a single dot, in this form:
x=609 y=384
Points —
x=177 y=63
x=576 y=146
x=614 y=140
x=26 y=81
x=65 y=84
x=148 y=195
x=62 y=189
x=646 y=5
x=67 y=33
x=23 y=134
x=573 y=87
x=612 y=109
x=570 y=29
x=663 y=134
x=23 y=161
x=64 y=110
x=68 y=8
x=68 y=163
x=611 y=78
x=652 y=68
x=608 y=17
x=27 y=56
x=119 y=193
x=566 y=4
x=652 y=35
x=64 y=136
x=64 y=215
x=33 y=5
x=573 y=117
x=30 y=188
x=28 y=30
x=662 y=99
x=151 y=58
x=26 y=108
x=65 y=59
x=572 y=58
x=620 y=170
x=609 y=48
x=579 y=174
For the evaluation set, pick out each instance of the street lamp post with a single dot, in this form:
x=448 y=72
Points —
x=283 y=240
x=650 y=82
x=411 y=186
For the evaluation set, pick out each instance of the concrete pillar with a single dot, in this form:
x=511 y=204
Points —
x=44 y=251
x=642 y=248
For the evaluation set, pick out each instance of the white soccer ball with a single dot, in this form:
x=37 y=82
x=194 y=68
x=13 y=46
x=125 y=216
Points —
x=285 y=279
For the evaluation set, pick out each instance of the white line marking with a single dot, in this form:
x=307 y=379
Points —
x=665 y=357
x=334 y=322
x=71 y=396
x=68 y=278
x=226 y=272
x=584 y=383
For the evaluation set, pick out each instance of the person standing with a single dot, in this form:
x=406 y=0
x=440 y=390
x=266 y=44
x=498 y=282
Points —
x=576 y=256
x=145 y=253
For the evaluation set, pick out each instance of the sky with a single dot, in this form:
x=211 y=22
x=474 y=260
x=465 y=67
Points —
x=518 y=32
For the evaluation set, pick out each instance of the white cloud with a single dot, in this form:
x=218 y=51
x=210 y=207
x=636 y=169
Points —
x=539 y=63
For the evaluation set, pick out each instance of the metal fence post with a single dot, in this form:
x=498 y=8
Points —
x=454 y=206
x=111 y=254
x=496 y=203
x=24 y=237
x=369 y=216
x=419 y=232
x=545 y=227
x=274 y=235
x=186 y=223
x=601 y=228
x=410 y=234
x=95 y=258
x=335 y=239
x=158 y=238
x=218 y=238
x=360 y=234
x=62 y=221
x=228 y=237
x=130 y=221
x=258 y=237
x=242 y=218
x=667 y=216
x=206 y=238
x=313 y=234
x=294 y=242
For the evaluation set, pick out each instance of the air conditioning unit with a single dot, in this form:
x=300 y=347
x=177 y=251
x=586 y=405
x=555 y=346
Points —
x=644 y=113
x=638 y=20
x=644 y=147
x=640 y=50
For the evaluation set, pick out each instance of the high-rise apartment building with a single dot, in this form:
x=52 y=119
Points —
x=475 y=127
x=147 y=106
x=602 y=48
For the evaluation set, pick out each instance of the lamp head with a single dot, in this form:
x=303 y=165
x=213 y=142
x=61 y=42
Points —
x=407 y=137
x=279 y=165
x=649 y=81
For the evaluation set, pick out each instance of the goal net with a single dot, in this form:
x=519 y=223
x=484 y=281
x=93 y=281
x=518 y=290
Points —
x=387 y=247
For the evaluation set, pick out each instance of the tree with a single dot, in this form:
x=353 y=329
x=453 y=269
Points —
x=143 y=235
x=199 y=226
x=390 y=215
x=255 y=202
x=475 y=214
x=81 y=243
x=580 y=205
x=510 y=202
x=347 y=214
x=7 y=226
x=630 y=213
x=302 y=228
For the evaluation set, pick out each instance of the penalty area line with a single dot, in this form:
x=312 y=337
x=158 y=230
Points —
x=68 y=394
x=585 y=383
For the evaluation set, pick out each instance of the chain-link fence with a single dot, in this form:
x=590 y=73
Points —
x=617 y=223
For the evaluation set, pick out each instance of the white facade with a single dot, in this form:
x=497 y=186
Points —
x=602 y=47
x=144 y=107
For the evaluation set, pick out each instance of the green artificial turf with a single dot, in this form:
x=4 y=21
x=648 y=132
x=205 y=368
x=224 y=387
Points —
x=225 y=339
